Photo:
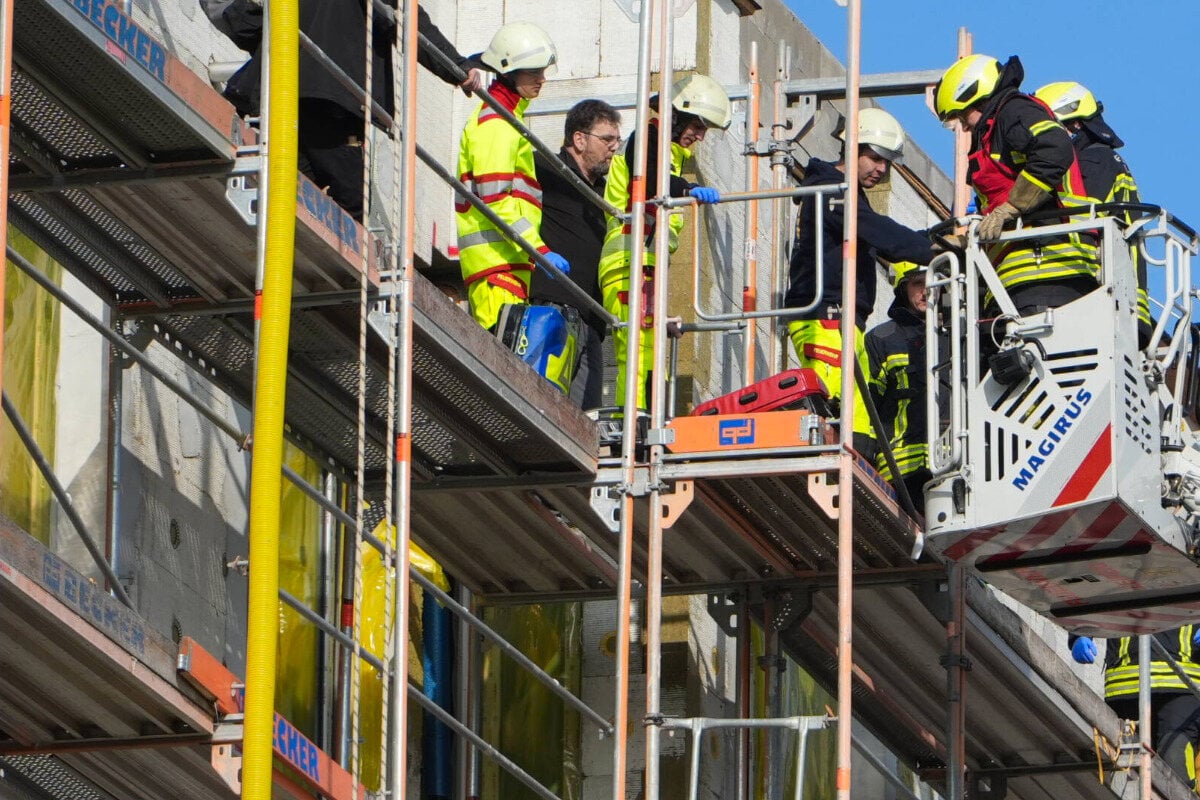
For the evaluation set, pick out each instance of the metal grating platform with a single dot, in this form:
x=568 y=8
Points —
x=95 y=96
x=78 y=665
x=119 y=110
x=745 y=522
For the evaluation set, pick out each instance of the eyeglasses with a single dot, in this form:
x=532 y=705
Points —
x=609 y=138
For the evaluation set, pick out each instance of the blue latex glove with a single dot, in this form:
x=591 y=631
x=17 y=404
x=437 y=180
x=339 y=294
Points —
x=1196 y=635
x=560 y=263
x=705 y=194
x=1084 y=650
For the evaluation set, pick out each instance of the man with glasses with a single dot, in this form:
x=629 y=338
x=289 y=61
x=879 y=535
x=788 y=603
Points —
x=574 y=226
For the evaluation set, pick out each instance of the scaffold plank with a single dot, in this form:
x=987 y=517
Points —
x=78 y=665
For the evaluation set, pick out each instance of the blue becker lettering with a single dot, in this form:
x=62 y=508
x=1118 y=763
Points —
x=126 y=34
x=297 y=749
x=328 y=213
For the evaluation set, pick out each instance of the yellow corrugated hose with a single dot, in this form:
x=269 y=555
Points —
x=274 y=311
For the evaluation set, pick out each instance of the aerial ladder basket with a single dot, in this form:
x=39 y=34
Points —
x=1065 y=473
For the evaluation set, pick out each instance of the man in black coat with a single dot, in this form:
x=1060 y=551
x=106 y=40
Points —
x=816 y=333
x=331 y=123
x=574 y=227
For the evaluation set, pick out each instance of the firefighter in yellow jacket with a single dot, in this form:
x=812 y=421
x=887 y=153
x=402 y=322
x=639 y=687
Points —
x=496 y=164
x=699 y=104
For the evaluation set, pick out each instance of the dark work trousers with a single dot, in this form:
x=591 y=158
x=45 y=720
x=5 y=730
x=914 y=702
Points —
x=588 y=385
x=330 y=143
x=1175 y=723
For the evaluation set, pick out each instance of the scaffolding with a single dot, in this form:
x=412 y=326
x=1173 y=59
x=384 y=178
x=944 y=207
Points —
x=417 y=413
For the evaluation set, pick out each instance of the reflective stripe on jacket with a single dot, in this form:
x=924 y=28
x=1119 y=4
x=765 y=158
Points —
x=1110 y=180
x=994 y=167
x=896 y=358
x=1121 y=664
x=617 y=251
x=496 y=164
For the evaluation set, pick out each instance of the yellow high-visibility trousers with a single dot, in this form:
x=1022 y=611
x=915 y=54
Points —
x=616 y=302
x=489 y=295
x=818 y=343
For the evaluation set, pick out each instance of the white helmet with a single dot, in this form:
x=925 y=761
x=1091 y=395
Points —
x=702 y=96
x=878 y=130
x=519 y=45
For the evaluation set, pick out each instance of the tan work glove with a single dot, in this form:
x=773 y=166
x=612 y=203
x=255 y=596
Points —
x=1024 y=197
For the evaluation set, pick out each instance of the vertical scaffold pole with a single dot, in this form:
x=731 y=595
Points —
x=962 y=143
x=779 y=233
x=956 y=682
x=1145 y=760
x=6 y=40
x=750 y=291
x=658 y=401
x=404 y=188
x=743 y=697
x=845 y=560
x=637 y=209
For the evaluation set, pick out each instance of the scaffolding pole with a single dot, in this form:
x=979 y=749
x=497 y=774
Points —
x=956 y=681
x=779 y=231
x=845 y=555
x=405 y=189
x=637 y=222
x=750 y=290
x=658 y=398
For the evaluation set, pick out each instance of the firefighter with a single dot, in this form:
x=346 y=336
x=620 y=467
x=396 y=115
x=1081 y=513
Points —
x=816 y=333
x=1021 y=161
x=896 y=375
x=496 y=163
x=1175 y=710
x=700 y=105
x=1105 y=173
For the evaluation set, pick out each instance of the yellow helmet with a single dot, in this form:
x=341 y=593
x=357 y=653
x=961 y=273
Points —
x=966 y=82
x=903 y=270
x=1068 y=100
x=702 y=96
x=519 y=45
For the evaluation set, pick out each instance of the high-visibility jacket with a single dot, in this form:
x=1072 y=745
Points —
x=618 y=245
x=496 y=164
x=1121 y=664
x=1019 y=135
x=896 y=355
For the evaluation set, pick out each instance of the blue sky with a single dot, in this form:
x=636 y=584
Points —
x=1141 y=59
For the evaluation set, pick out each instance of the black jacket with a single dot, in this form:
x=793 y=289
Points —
x=574 y=228
x=878 y=237
x=338 y=27
x=896 y=354
x=1106 y=175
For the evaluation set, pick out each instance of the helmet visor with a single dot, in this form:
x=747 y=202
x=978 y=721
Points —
x=894 y=156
